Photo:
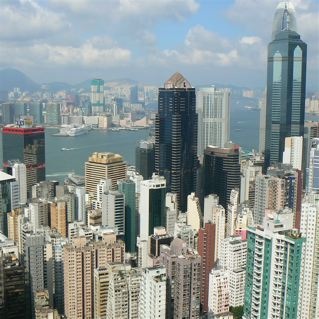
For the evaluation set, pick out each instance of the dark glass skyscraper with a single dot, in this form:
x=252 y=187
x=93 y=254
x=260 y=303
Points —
x=286 y=82
x=26 y=144
x=144 y=159
x=176 y=137
x=221 y=170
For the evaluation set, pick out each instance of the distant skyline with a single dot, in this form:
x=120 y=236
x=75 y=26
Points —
x=207 y=41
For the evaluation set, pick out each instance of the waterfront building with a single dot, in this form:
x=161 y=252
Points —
x=103 y=166
x=97 y=96
x=26 y=144
x=286 y=83
x=176 y=137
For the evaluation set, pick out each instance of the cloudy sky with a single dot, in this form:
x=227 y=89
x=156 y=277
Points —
x=208 y=41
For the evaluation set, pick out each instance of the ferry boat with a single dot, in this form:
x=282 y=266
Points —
x=76 y=131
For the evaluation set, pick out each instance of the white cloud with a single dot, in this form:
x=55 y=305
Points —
x=91 y=54
x=147 y=11
x=26 y=19
x=250 y=40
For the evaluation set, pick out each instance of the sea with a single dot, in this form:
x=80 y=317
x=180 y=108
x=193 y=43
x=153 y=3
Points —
x=244 y=131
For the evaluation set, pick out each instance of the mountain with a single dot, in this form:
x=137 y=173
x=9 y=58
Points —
x=12 y=78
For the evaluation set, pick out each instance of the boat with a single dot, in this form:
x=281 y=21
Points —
x=66 y=149
x=76 y=131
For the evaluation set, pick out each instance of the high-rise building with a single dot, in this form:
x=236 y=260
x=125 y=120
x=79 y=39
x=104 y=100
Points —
x=309 y=228
x=313 y=167
x=58 y=217
x=38 y=213
x=52 y=113
x=215 y=214
x=5 y=200
x=171 y=212
x=12 y=287
x=183 y=266
x=193 y=214
x=218 y=300
x=212 y=106
x=206 y=249
x=145 y=159
x=26 y=144
x=281 y=187
x=123 y=293
x=97 y=96
x=274 y=254
x=250 y=168
x=113 y=210
x=293 y=152
x=80 y=259
x=311 y=131
x=152 y=205
x=286 y=83
x=152 y=303
x=19 y=172
x=176 y=137
x=221 y=171
x=103 y=166
x=127 y=187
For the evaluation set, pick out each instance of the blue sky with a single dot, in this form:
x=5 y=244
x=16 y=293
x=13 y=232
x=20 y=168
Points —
x=147 y=40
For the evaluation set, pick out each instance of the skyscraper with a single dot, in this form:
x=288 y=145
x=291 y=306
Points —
x=152 y=205
x=222 y=171
x=176 y=137
x=213 y=117
x=103 y=166
x=286 y=81
x=127 y=187
x=144 y=159
x=26 y=144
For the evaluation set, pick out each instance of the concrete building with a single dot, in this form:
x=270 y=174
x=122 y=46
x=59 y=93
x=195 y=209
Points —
x=113 y=210
x=103 y=166
x=212 y=106
x=80 y=259
x=97 y=96
x=152 y=303
x=183 y=266
x=218 y=300
x=58 y=217
x=193 y=212
x=206 y=249
x=19 y=171
x=293 y=152
x=274 y=253
x=124 y=293
x=215 y=213
x=309 y=272
x=171 y=212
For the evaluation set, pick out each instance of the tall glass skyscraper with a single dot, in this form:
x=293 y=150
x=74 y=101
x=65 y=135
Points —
x=286 y=82
x=26 y=144
x=176 y=137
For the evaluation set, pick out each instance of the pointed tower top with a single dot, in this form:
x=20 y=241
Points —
x=284 y=19
x=177 y=81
